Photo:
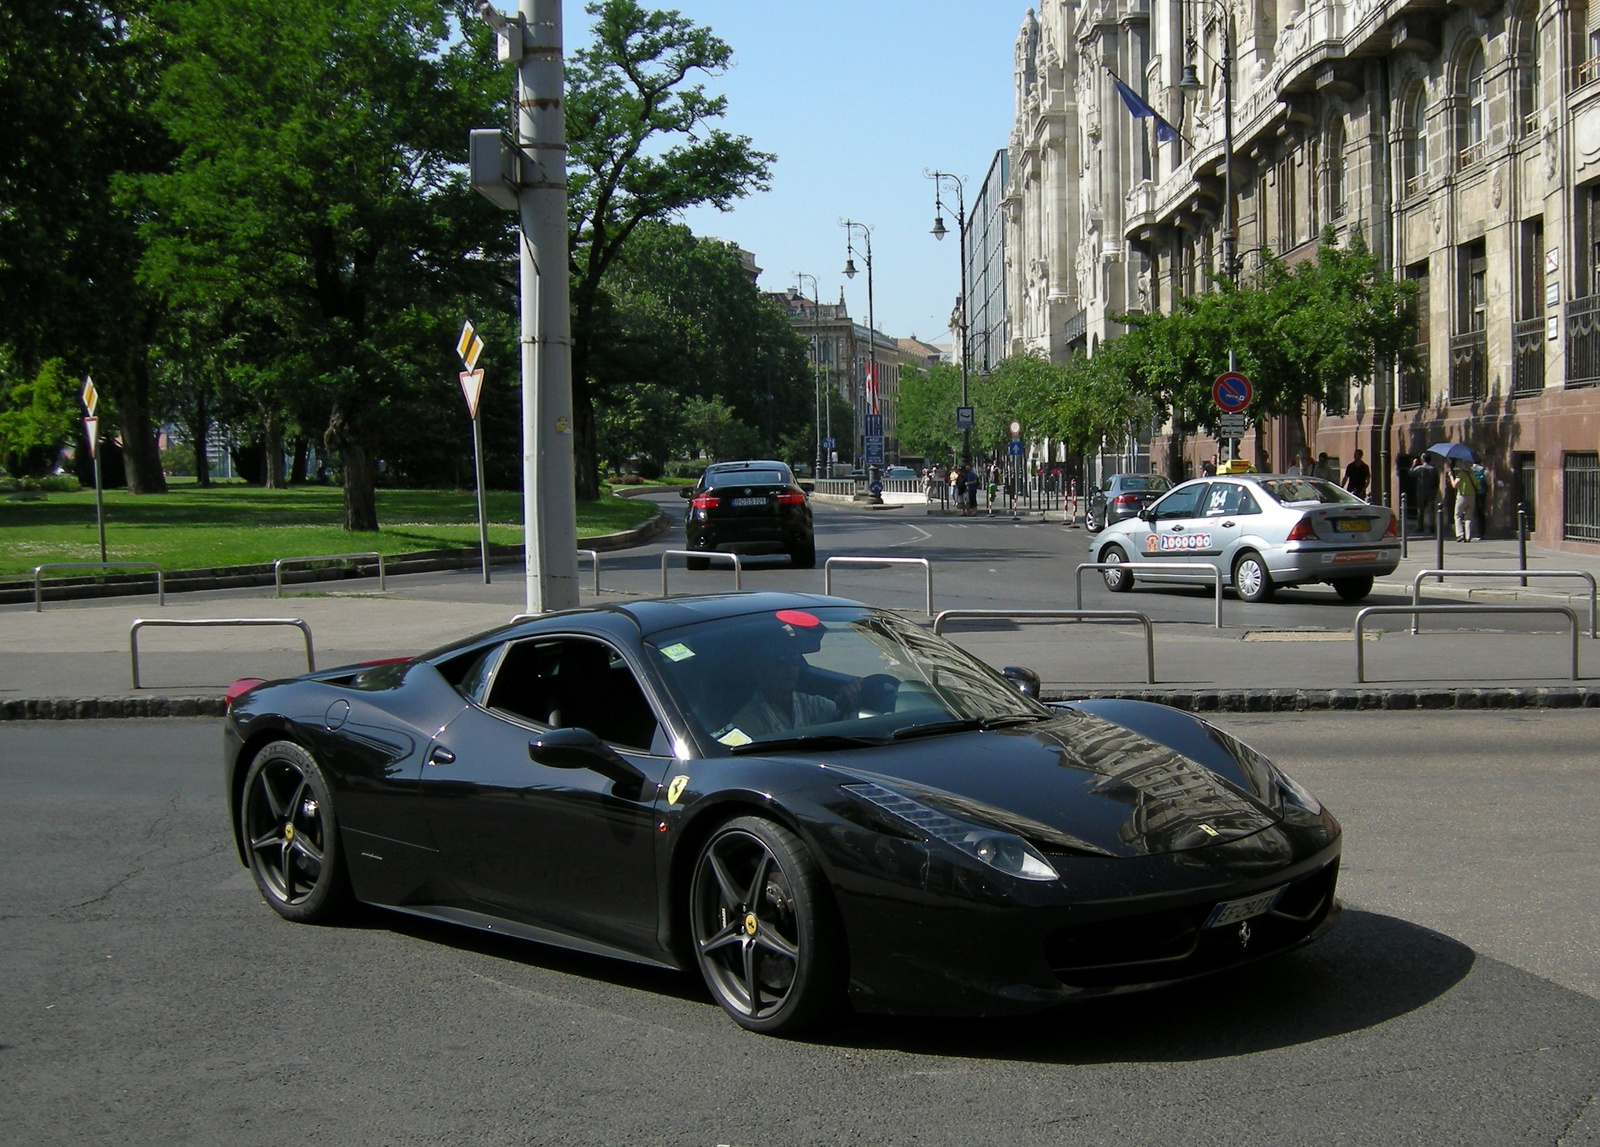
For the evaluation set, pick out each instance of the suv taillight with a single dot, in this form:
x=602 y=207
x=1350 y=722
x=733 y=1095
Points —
x=705 y=502
x=1301 y=531
x=791 y=498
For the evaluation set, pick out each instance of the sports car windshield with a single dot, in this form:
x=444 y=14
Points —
x=826 y=679
x=1306 y=492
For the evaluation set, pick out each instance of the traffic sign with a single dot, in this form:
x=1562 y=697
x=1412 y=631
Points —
x=472 y=387
x=874 y=443
x=1231 y=426
x=874 y=426
x=875 y=487
x=964 y=419
x=91 y=427
x=469 y=346
x=1016 y=428
x=1232 y=392
x=1015 y=448
x=827 y=443
x=91 y=396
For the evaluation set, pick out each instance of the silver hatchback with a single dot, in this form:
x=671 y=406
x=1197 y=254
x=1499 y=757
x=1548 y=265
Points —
x=1261 y=531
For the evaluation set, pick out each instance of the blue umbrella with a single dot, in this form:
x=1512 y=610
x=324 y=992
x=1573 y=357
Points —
x=1452 y=450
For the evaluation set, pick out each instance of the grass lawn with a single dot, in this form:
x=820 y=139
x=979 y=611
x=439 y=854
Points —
x=231 y=524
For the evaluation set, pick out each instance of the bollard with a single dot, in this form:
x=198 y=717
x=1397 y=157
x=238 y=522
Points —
x=1522 y=540
x=1438 y=538
x=1405 y=538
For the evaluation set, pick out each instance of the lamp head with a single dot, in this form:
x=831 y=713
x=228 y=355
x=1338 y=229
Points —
x=849 y=268
x=939 y=229
x=1189 y=81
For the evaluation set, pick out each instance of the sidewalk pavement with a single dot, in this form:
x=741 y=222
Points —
x=73 y=659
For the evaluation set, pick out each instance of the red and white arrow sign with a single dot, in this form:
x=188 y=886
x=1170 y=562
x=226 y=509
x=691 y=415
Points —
x=472 y=387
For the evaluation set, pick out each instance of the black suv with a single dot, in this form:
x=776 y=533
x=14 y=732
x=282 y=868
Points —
x=750 y=508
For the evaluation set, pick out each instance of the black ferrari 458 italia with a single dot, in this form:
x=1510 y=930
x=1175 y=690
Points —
x=810 y=801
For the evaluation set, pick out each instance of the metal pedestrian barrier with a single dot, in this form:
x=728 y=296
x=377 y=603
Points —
x=1413 y=610
x=927 y=567
x=709 y=555
x=1155 y=567
x=1065 y=614
x=277 y=566
x=594 y=558
x=38 y=596
x=1523 y=574
x=142 y=622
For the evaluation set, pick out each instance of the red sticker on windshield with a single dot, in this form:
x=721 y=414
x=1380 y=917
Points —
x=796 y=617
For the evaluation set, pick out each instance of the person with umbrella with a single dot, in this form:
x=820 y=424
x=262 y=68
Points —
x=1464 y=485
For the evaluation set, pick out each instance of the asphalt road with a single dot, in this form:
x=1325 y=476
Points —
x=149 y=996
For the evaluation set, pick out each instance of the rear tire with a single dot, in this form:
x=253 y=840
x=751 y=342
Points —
x=1352 y=588
x=805 y=557
x=766 y=937
x=698 y=563
x=1117 y=581
x=1089 y=522
x=291 y=835
x=1251 y=581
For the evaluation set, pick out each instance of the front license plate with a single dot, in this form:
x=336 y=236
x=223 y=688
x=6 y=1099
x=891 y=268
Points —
x=749 y=502
x=1351 y=525
x=1233 y=911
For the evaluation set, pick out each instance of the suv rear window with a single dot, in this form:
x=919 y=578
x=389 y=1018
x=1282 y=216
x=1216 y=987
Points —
x=717 y=478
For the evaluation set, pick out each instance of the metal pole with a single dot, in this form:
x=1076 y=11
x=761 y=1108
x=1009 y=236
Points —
x=1405 y=538
x=99 y=501
x=549 y=499
x=483 y=509
x=1438 y=538
x=1522 y=540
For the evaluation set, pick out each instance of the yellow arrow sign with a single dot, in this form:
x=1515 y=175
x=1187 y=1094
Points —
x=469 y=346
x=91 y=396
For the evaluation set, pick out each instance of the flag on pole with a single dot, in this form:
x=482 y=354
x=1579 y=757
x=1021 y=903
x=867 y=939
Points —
x=1165 y=132
x=872 y=386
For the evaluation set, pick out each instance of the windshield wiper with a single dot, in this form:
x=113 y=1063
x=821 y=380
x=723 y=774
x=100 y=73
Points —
x=813 y=741
x=969 y=725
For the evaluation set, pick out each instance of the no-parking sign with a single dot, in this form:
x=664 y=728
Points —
x=1232 y=392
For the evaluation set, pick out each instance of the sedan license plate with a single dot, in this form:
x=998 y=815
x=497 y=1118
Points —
x=749 y=502
x=1352 y=525
x=1233 y=911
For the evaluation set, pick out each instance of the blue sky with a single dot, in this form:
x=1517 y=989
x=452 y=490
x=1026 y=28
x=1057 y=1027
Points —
x=857 y=99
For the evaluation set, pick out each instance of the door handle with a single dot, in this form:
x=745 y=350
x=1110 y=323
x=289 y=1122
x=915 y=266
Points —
x=1177 y=529
x=1225 y=525
x=441 y=756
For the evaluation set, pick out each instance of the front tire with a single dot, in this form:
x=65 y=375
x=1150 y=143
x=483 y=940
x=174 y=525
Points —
x=1117 y=581
x=1251 y=581
x=292 y=835
x=1353 y=588
x=765 y=934
x=1089 y=524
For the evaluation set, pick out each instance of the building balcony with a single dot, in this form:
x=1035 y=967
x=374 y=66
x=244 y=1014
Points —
x=1472 y=153
x=1588 y=70
x=1527 y=356
x=1469 y=361
x=1583 y=341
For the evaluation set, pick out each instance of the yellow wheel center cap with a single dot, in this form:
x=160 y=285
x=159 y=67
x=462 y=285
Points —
x=288 y=832
x=750 y=923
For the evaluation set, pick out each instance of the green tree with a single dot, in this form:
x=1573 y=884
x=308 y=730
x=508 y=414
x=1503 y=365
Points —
x=641 y=145
x=927 y=411
x=76 y=77
x=38 y=416
x=318 y=192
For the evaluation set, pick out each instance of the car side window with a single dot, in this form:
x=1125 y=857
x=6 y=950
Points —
x=1184 y=502
x=577 y=683
x=1229 y=498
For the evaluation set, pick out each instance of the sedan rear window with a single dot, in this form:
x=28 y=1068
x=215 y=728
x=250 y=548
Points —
x=1154 y=482
x=1307 y=492
x=746 y=478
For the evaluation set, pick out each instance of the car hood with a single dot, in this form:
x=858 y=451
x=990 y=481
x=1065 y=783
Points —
x=1080 y=782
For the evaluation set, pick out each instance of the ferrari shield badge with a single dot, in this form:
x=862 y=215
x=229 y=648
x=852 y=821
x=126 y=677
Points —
x=675 y=788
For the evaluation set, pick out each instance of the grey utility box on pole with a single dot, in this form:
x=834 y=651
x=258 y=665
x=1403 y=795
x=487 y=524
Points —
x=533 y=181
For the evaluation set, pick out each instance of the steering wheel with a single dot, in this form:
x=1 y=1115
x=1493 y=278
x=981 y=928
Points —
x=878 y=692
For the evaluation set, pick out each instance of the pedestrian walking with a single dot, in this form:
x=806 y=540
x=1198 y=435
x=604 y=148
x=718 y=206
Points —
x=1466 y=491
x=1209 y=468
x=1425 y=490
x=1323 y=468
x=1357 y=475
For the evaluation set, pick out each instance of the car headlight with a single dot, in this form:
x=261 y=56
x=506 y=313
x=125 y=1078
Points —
x=1298 y=793
x=1001 y=850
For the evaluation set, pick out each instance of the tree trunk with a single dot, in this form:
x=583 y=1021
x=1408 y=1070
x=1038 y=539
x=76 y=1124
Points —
x=360 y=496
x=271 y=451
x=201 y=433
x=586 y=475
x=302 y=449
x=141 y=455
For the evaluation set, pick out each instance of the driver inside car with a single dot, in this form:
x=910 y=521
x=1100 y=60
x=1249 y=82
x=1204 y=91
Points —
x=779 y=702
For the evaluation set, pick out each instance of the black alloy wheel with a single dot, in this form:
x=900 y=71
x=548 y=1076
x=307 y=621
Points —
x=1353 y=588
x=291 y=835
x=1117 y=581
x=765 y=934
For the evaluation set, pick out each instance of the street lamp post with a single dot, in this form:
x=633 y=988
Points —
x=939 y=232
x=850 y=228
x=800 y=278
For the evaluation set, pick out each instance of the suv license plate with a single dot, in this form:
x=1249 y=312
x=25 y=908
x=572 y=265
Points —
x=1233 y=911
x=749 y=502
x=1352 y=525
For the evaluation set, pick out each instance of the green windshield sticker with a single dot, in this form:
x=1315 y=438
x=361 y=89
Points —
x=677 y=652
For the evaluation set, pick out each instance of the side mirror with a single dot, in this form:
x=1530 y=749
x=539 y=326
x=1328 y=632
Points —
x=685 y=491
x=1026 y=680
x=581 y=749
x=1147 y=513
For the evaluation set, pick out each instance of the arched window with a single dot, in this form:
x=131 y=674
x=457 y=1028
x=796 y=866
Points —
x=1470 y=108
x=1336 y=180
x=1414 y=139
x=1525 y=43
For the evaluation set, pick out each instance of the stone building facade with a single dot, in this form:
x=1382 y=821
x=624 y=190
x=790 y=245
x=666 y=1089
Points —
x=843 y=347
x=1463 y=144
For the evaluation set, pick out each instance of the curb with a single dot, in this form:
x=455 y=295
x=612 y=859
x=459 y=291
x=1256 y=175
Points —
x=236 y=577
x=1189 y=700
